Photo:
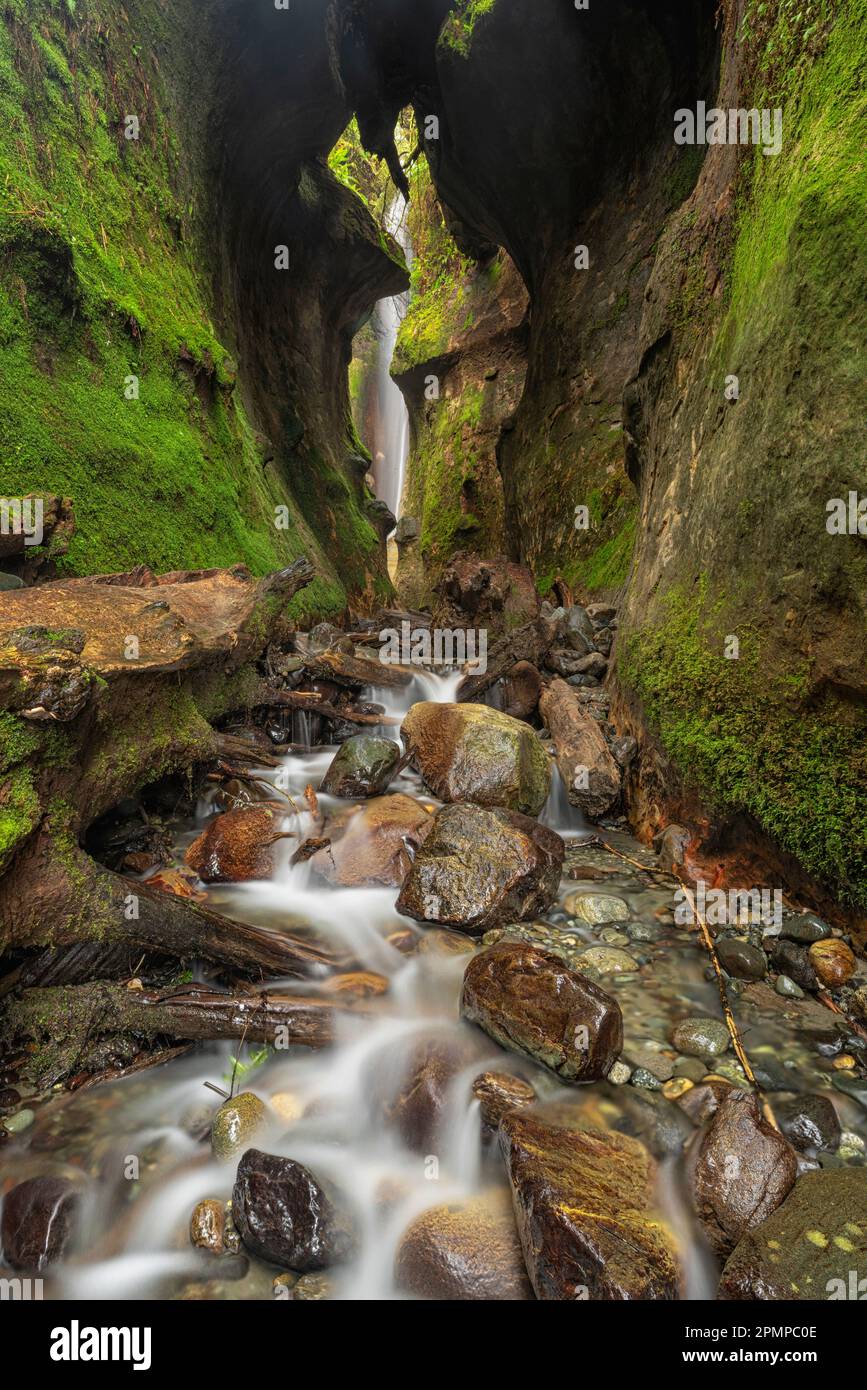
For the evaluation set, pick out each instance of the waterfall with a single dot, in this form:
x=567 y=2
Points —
x=391 y=444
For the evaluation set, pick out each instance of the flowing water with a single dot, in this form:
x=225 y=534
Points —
x=139 y=1141
x=391 y=445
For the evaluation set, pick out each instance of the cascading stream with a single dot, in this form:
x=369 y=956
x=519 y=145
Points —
x=133 y=1241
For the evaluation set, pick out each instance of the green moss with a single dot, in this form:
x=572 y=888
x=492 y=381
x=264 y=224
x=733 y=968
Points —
x=443 y=304
x=804 y=208
x=106 y=274
x=742 y=732
x=19 y=811
x=608 y=566
x=458 y=31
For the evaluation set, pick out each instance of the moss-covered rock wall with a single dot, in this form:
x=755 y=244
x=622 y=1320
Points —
x=156 y=366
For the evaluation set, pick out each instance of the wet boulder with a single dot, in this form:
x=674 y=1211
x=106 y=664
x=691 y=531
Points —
x=498 y=1092
x=37 y=1222
x=740 y=1170
x=480 y=867
x=583 y=1205
x=813 y=1247
x=236 y=1123
x=412 y=1088
x=833 y=961
x=467 y=1251
x=529 y=1001
x=590 y=774
x=288 y=1216
x=741 y=959
x=235 y=846
x=519 y=690
x=810 y=1122
x=373 y=844
x=473 y=753
x=363 y=766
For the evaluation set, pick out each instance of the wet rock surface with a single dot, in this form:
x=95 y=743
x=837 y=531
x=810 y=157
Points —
x=583 y=1205
x=373 y=844
x=236 y=1123
x=37 y=1222
x=810 y=1247
x=234 y=847
x=364 y=766
x=288 y=1216
x=741 y=1170
x=472 y=753
x=464 y=1250
x=530 y=1001
x=482 y=866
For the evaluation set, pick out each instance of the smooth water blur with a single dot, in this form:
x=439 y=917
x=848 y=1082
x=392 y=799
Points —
x=139 y=1143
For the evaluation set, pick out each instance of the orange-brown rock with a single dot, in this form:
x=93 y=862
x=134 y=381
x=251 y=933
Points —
x=833 y=961
x=584 y=1208
x=371 y=844
x=740 y=1171
x=468 y=752
x=235 y=846
x=466 y=1251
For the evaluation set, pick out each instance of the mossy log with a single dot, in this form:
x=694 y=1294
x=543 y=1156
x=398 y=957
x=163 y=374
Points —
x=106 y=685
x=81 y=1027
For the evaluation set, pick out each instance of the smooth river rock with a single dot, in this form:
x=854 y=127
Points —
x=529 y=1001
x=236 y=1124
x=474 y=753
x=481 y=867
x=583 y=1204
x=235 y=847
x=740 y=1170
x=466 y=1251
x=372 y=844
x=363 y=766
x=37 y=1222
x=811 y=1246
x=287 y=1216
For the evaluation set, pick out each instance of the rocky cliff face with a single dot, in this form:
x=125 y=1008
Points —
x=707 y=512
x=156 y=366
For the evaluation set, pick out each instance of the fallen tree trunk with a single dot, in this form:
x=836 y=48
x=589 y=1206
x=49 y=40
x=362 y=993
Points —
x=355 y=671
x=532 y=642
x=314 y=704
x=68 y=898
x=83 y=1023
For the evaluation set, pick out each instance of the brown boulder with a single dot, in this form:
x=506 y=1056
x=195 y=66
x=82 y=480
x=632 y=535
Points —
x=464 y=1251
x=589 y=772
x=412 y=1090
x=234 y=846
x=740 y=1170
x=468 y=752
x=369 y=844
x=520 y=689
x=529 y=1001
x=481 y=867
x=497 y=1093
x=583 y=1204
x=37 y=1222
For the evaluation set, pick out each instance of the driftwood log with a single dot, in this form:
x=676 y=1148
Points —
x=75 y=1029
